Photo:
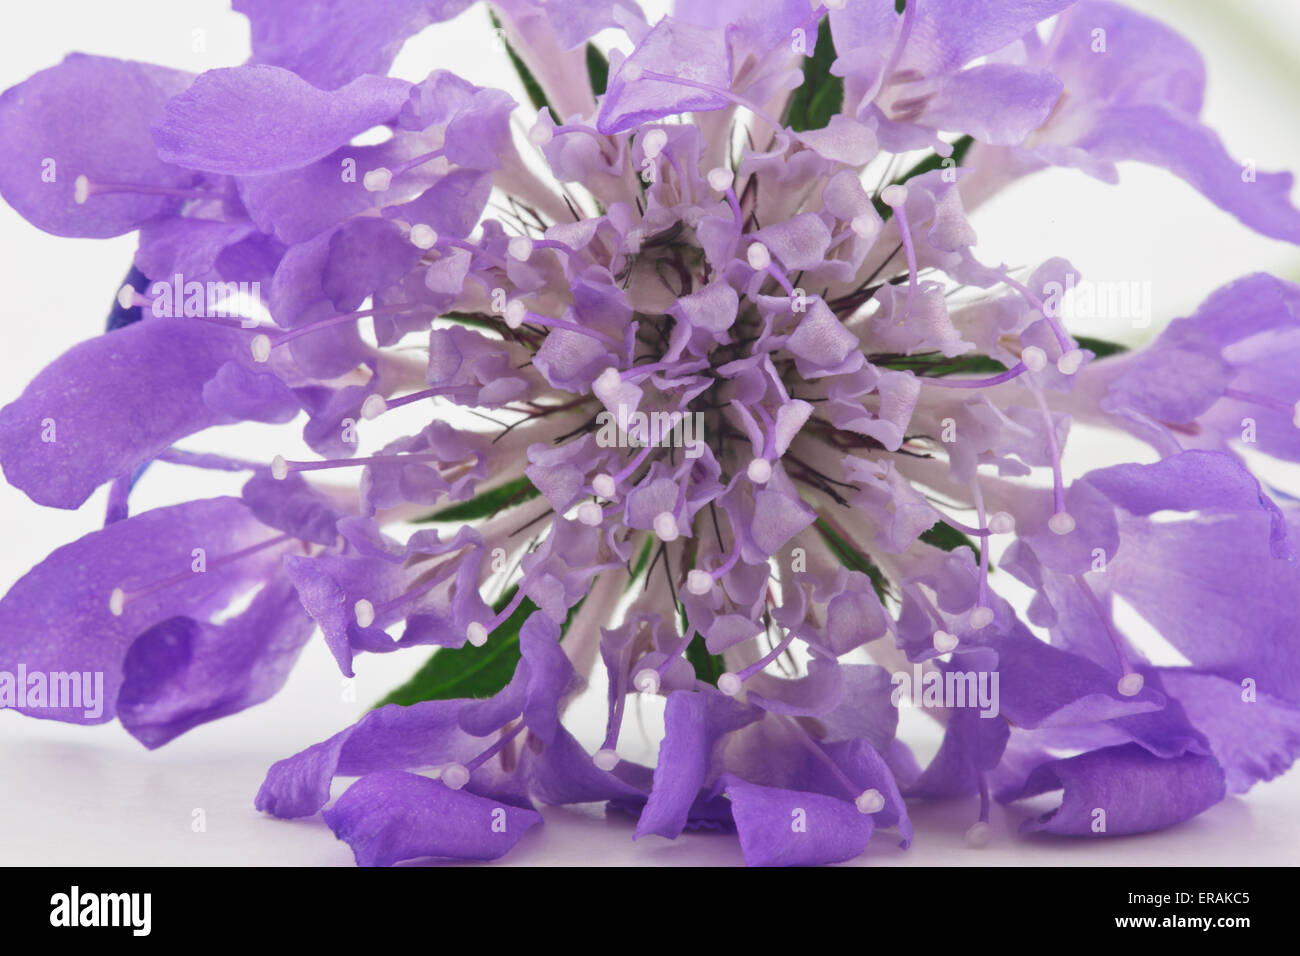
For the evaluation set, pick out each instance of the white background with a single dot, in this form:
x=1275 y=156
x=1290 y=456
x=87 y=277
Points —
x=74 y=795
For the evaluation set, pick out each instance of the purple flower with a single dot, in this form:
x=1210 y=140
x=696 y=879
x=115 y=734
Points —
x=713 y=422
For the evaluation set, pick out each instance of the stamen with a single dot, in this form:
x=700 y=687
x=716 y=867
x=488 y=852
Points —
x=83 y=189
x=377 y=180
x=603 y=485
x=1289 y=408
x=520 y=248
x=733 y=682
x=454 y=775
x=423 y=236
x=605 y=759
x=647 y=681
x=654 y=142
x=517 y=314
x=699 y=582
x=477 y=633
x=590 y=514
x=870 y=800
x=262 y=344
x=364 y=612
x=945 y=642
x=665 y=526
x=1131 y=683
x=720 y=178
x=119 y=598
x=280 y=467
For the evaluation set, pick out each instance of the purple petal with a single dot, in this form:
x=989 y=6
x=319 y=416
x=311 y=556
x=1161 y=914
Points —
x=57 y=617
x=263 y=119
x=391 y=816
x=793 y=828
x=1138 y=791
x=185 y=672
x=330 y=42
x=110 y=404
x=89 y=116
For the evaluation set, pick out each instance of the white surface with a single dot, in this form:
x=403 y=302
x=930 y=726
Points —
x=82 y=796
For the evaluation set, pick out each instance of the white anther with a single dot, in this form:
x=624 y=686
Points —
x=604 y=486
x=654 y=142
x=365 y=613
x=699 y=582
x=894 y=195
x=1061 y=523
x=279 y=468
x=981 y=618
x=520 y=247
x=476 y=634
x=944 y=642
x=260 y=346
x=1295 y=415
x=605 y=759
x=80 y=190
x=631 y=72
x=455 y=775
x=515 y=313
x=863 y=226
x=758 y=256
x=117 y=602
x=870 y=801
x=1001 y=522
x=607 y=383
x=1130 y=685
x=373 y=407
x=759 y=471
x=126 y=297
x=729 y=683
x=647 y=681
x=979 y=835
x=589 y=513
x=1035 y=359
x=665 y=526
x=720 y=178
x=1070 y=362
x=378 y=179
x=423 y=236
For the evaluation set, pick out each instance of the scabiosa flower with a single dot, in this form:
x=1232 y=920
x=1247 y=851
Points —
x=707 y=392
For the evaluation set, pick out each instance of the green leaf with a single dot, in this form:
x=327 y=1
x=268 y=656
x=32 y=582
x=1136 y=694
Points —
x=821 y=95
x=932 y=162
x=534 y=89
x=597 y=70
x=471 y=671
x=642 y=560
x=851 y=557
x=708 y=667
x=949 y=538
x=468 y=318
x=1100 y=347
x=935 y=364
x=468 y=671
x=487 y=504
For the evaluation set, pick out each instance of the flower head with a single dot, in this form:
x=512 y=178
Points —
x=698 y=384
